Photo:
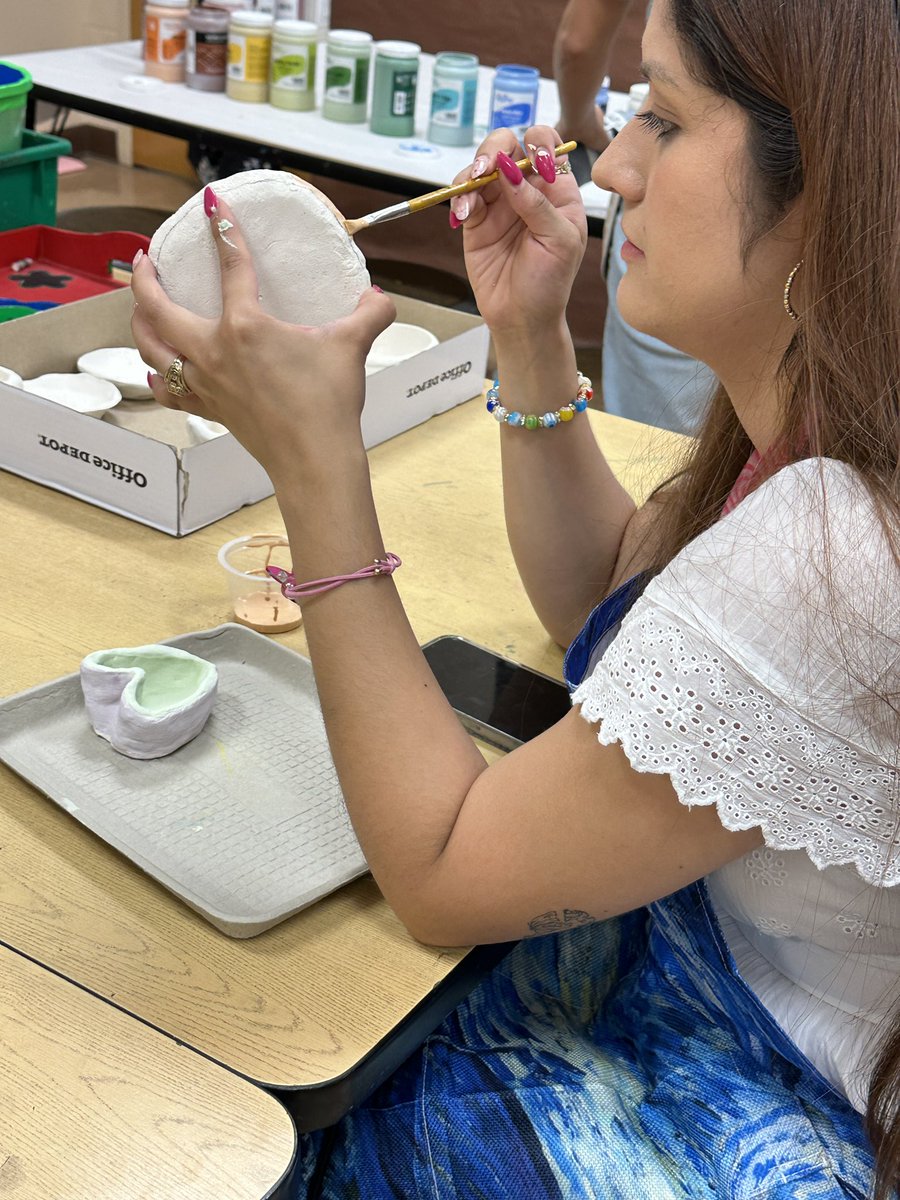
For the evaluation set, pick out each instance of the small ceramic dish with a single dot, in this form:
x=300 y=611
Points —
x=10 y=378
x=120 y=365
x=201 y=430
x=398 y=342
x=147 y=701
x=82 y=393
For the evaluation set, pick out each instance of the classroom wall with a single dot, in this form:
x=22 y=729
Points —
x=53 y=24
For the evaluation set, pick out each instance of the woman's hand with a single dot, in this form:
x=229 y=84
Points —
x=285 y=391
x=524 y=236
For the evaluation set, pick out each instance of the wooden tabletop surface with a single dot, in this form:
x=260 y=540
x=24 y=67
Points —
x=97 y=1106
x=305 y=1001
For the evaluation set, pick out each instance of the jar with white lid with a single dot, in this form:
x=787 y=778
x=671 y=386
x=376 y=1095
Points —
x=394 y=89
x=165 y=37
x=292 y=75
x=207 y=49
x=249 y=50
x=319 y=12
x=454 y=88
x=637 y=97
x=348 y=54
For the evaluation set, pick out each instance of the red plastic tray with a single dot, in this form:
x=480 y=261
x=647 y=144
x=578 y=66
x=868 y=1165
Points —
x=41 y=266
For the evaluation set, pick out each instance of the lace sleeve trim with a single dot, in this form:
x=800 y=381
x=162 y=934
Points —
x=679 y=707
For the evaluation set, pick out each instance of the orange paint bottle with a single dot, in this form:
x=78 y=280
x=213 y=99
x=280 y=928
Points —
x=165 y=35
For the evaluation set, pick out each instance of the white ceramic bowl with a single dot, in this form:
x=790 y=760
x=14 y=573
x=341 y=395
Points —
x=81 y=393
x=120 y=365
x=398 y=342
x=201 y=430
x=10 y=378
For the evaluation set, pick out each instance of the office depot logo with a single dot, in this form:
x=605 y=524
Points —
x=117 y=470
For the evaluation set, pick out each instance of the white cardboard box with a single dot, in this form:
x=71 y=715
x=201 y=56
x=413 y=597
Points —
x=139 y=461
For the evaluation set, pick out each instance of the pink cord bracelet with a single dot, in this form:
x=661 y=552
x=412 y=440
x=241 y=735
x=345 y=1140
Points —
x=293 y=590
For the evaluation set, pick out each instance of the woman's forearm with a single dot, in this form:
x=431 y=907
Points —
x=404 y=761
x=565 y=510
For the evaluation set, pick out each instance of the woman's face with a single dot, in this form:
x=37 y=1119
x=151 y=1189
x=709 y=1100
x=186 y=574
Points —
x=682 y=169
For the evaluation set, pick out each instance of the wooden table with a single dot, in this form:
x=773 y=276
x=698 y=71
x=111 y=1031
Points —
x=94 y=1104
x=325 y=1005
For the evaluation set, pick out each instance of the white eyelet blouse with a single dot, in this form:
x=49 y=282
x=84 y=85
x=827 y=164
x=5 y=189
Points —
x=760 y=670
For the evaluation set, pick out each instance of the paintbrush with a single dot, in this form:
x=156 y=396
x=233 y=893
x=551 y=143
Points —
x=431 y=198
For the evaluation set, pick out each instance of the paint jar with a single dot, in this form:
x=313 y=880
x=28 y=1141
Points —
x=249 y=48
x=292 y=76
x=637 y=97
x=319 y=12
x=288 y=10
x=165 y=35
x=394 y=90
x=207 y=49
x=453 y=90
x=602 y=98
x=347 y=57
x=514 y=98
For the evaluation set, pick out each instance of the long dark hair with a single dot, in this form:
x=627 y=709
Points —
x=820 y=83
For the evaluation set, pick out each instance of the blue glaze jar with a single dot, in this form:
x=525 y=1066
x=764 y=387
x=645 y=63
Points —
x=514 y=98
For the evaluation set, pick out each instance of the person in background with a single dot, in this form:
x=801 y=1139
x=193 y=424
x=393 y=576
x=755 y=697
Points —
x=643 y=378
x=700 y=862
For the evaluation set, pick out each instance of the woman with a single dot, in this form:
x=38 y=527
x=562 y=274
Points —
x=721 y=855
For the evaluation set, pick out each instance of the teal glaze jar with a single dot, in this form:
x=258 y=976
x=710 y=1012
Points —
x=348 y=53
x=394 y=91
x=454 y=89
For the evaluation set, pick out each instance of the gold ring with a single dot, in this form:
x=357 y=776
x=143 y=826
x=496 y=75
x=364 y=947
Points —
x=174 y=378
x=564 y=168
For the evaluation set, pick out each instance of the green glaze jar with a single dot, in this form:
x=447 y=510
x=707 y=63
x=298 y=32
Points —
x=348 y=53
x=394 y=93
x=292 y=71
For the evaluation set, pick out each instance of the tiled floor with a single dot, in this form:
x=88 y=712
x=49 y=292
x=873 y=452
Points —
x=104 y=182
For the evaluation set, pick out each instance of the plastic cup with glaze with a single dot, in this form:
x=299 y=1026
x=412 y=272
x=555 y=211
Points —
x=256 y=598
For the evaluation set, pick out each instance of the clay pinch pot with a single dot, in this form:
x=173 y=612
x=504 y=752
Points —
x=147 y=701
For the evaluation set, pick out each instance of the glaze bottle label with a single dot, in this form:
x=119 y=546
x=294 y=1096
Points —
x=248 y=57
x=166 y=38
x=453 y=105
x=346 y=79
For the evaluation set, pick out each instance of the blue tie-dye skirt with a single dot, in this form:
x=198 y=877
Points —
x=625 y=1060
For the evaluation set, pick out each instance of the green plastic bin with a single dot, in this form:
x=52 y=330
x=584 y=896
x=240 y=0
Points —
x=28 y=181
x=15 y=84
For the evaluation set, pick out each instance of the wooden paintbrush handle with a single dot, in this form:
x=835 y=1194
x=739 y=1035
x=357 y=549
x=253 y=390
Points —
x=471 y=185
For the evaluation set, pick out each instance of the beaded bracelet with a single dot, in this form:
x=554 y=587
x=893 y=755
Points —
x=549 y=419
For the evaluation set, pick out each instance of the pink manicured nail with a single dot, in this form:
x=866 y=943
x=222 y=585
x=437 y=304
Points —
x=545 y=165
x=149 y=379
x=210 y=202
x=376 y=288
x=455 y=222
x=461 y=206
x=509 y=168
x=137 y=258
x=479 y=166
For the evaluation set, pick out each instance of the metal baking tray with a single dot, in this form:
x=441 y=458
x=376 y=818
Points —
x=246 y=823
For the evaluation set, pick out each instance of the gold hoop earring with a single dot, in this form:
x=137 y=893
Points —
x=788 y=307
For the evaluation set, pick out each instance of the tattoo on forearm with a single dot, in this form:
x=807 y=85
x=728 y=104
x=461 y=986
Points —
x=555 y=921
